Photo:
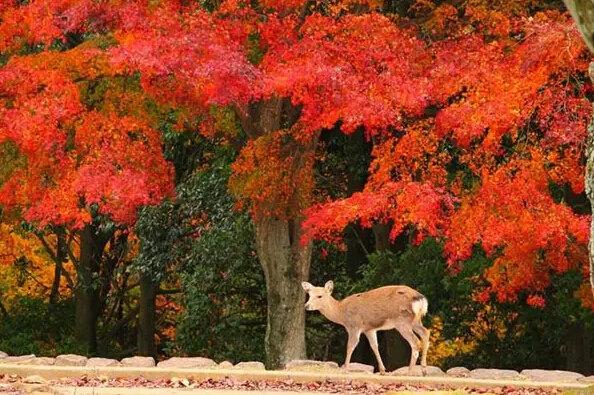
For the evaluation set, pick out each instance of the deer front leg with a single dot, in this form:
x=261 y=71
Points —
x=351 y=344
x=372 y=337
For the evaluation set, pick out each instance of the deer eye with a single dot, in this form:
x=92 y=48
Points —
x=319 y=296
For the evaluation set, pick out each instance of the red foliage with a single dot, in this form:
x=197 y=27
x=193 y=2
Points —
x=527 y=91
x=419 y=204
x=43 y=21
x=474 y=110
x=513 y=217
x=75 y=157
x=345 y=71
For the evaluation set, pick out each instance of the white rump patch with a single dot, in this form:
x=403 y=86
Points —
x=420 y=306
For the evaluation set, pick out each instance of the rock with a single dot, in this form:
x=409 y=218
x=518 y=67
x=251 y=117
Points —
x=70 y=360
x=310 y=365
x=495 y=374
x=587 y=380
x=3 y=355
x=193 y=362
x=44 y=361
x=98 y=362
x=252 y=365
x=33 y=380
x=358 y=367
x=225 y=365
x=417 y=370
x=21 y=359
x=458 y=371
x=139 y=362
x=560 y=376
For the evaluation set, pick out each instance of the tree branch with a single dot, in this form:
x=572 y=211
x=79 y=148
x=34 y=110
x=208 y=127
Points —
x=47 y=247
x=168 y=291
x=120 y=324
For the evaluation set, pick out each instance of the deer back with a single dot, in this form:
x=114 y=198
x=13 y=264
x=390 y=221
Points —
x=379 y=307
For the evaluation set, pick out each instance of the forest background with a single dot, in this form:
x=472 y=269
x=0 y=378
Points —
x=171 y=170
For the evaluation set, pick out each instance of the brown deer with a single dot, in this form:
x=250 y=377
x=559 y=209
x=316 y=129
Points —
x=392 y=307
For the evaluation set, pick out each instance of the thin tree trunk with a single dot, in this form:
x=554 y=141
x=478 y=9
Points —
x=87 y=288
x=589 y=184
x=582 y=12
x=3 y=311
x=286 y=265
x=146 y=317
x=60 y=258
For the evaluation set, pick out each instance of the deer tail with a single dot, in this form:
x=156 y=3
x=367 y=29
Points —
x=419 y=306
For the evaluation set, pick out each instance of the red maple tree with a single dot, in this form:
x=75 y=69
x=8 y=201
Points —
x=474 y=110
x=87 y=158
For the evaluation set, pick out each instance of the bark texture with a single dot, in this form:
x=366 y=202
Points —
x=286 y=265
x=589 y=184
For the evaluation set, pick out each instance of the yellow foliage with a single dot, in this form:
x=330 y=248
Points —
x=442 y=348
x=487 y=322
x=26 y=269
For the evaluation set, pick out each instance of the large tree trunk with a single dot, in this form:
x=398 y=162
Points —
x=284 y=260
x=286 y=265
x=87 y=288
x=582 y=12
x=146 y=317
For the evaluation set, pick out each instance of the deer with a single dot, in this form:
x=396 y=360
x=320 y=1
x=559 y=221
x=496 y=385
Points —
x=391 y=307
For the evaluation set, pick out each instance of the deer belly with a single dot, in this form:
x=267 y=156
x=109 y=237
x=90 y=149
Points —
x=386 y=325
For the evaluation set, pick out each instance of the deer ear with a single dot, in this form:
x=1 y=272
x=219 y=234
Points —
x=329 y=286
x=306 y=286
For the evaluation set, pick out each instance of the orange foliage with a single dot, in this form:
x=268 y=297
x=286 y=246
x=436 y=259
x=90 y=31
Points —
x=273 y=175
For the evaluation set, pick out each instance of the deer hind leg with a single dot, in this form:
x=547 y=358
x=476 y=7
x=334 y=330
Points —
x=425 y=334
x=372 y=337
x=351 y=344
x=407 y=333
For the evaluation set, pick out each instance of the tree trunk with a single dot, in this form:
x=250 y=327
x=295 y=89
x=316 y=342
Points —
x=284 y=260
x=87 y=289
x=394 y=349
x=286 y=265
x=60 y=258
x=579 y=343
x=3 y=311
x=146 y=317
x=582 y=12
x=589 y=184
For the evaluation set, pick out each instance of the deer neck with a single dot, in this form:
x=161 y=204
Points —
x=333 y=311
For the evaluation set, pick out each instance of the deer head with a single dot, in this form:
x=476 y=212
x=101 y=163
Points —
x=319 y=297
